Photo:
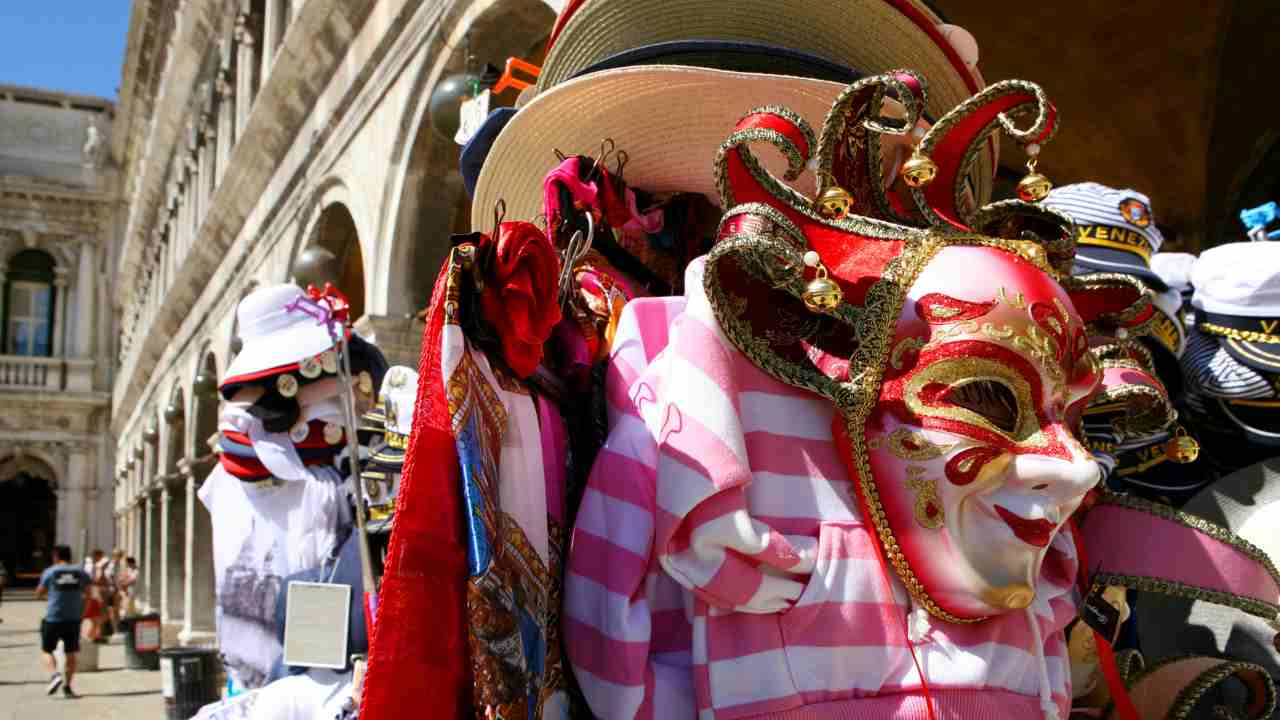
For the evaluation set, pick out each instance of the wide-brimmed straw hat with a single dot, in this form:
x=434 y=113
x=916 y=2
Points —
x=670 y=120
x=671 y=123
x=870 y=35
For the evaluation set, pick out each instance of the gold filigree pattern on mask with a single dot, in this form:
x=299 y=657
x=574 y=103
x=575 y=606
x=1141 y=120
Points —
x=1018 y=301
x=1004 y=332
x=904 y=346
x=944 y=312
x=907 y=444
x=1044 y=349
x=954 y=372
x=927 y=508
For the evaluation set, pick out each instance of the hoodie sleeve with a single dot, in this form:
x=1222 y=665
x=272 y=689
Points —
x=706 y=537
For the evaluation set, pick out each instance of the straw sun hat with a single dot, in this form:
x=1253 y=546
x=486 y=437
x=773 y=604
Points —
x=671 y=117
x=869 y=35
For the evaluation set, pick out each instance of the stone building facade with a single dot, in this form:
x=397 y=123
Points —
x=59 y=224
x=248 y=132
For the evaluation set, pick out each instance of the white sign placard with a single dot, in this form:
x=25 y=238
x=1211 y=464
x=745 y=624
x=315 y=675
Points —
x=166 y=677
x=474 y=112
x=316 y=625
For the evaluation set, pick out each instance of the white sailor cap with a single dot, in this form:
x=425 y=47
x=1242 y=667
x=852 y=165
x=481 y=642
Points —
x=1237 y=300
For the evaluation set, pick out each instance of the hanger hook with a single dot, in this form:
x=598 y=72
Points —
x=499 y=214
x=620 y=158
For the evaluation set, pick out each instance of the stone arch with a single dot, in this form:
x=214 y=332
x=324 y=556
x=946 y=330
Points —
x=233 y=340
x=172 y=432
x=333 y=225
x=425 y=201
x=28 y=510
x=204 y=407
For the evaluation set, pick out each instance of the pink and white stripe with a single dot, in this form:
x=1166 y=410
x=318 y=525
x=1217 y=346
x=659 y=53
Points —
x=720 y=567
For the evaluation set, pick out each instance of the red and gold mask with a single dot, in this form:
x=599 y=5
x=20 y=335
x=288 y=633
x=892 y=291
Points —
x=958 y=362
x=972 y=442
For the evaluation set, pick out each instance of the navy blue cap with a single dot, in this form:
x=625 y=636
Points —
x=477 y=148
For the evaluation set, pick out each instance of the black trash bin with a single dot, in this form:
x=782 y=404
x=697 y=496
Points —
x=190 y=678
x=141 y=641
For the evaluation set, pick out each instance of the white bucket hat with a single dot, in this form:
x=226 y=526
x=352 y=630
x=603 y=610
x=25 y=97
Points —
x=274 y=339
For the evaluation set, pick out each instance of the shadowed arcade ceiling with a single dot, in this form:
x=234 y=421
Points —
x=1176 y=100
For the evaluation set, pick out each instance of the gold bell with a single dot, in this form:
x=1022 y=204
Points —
x=835 y=203
x=1034 y=187
x=1182 y=448
x=919 y=170
x=822 y=293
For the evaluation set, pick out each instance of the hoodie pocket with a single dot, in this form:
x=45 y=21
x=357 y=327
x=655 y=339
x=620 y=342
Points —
x=839 y=636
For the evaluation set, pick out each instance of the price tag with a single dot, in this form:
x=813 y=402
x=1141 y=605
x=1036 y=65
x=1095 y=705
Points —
x=316 y=625
x=1101 y=615
x=474 y=112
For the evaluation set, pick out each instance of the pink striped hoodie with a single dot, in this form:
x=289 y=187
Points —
x=720 y=568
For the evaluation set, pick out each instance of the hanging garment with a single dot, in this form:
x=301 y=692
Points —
x=515 y=544
x=678 y=600
x=263 y=532
x=418 y=653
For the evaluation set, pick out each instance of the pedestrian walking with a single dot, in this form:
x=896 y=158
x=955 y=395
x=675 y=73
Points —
x=125 y=581
x=115 y=566
x=67 y=587
x=95 y=607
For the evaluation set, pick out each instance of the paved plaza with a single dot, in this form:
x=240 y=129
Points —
x=109 y=693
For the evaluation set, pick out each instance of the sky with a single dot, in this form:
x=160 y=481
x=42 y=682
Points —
x=68 y=45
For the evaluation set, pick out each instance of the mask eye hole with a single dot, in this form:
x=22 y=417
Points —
x=991 y=399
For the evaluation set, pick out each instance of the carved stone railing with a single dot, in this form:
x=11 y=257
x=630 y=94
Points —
x=18 y=372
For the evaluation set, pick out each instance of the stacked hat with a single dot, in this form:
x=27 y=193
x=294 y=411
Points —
x=1116 y=233
x=1233 y=356
x=1115 y=229
x=1174 y=268
x=667 y=81
x=386 y=460
x=284 y=409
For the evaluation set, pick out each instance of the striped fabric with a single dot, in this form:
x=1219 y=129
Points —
x=721 y=569
x=1210 y=370
x=1090 y=203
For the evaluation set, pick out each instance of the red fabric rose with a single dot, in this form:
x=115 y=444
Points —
x=521 y=274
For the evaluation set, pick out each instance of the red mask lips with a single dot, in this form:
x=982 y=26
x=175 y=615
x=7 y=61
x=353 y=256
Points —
x=1032 y=532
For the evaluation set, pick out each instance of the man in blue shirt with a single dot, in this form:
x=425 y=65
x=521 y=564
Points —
x=66 y=586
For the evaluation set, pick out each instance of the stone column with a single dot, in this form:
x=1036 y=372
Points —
x=271 y=32
x=173 y=602
x=145 y=560
x=198 y=580
x=59 y=311
x=165 y=558
x=86 y=290
x=245 y=70
x=140 y=543
x=226 y=135
x=155 y=566
x=71 y=503
x=205 y=170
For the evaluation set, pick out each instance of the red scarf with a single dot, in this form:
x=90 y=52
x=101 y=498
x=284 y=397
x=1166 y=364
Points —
x=418 y=652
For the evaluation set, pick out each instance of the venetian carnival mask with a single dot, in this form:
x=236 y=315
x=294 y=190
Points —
x=972 y=441
x=950 y=339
